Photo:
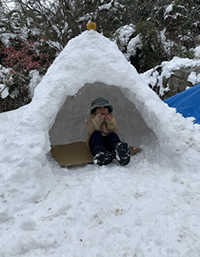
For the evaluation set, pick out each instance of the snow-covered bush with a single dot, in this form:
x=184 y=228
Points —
x=16 y=73
x=170 y=78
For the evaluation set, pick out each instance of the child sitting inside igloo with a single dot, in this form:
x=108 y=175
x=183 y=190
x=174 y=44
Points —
x=102 y=137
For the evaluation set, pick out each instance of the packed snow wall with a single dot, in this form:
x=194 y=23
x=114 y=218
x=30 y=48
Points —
x=70 y=123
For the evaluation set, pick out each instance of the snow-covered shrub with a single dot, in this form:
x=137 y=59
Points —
x=16 y=71
x=170 y=78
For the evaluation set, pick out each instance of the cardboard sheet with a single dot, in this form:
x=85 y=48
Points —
x=76 y=153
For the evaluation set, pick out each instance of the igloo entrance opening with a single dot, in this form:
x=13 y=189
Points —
x=70 y=122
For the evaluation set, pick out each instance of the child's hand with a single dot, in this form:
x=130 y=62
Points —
x=101 y=117
x=109 y=117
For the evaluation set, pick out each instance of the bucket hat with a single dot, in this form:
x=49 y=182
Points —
x=99 y=102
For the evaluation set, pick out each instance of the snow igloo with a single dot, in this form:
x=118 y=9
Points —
x=92 y=66
x=89 y=67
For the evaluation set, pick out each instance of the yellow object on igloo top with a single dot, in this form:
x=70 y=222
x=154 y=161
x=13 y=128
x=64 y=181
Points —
x=91 y=25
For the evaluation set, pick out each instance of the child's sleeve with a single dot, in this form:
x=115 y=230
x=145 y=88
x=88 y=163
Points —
x=93 y=124
x=112 y=125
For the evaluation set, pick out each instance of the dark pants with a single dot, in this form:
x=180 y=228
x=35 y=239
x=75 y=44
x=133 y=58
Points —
x=100 y=143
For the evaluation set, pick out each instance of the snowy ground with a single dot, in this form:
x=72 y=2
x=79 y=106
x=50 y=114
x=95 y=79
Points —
x=149 y=208
x=138 y=210
x=143 y=209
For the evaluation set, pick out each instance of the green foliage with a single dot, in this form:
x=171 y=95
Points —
x=181 y=51
x=182 y=23
x=152 y=52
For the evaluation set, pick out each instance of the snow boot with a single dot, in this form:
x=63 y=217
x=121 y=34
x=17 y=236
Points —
x=103 y=157
x=123 y=153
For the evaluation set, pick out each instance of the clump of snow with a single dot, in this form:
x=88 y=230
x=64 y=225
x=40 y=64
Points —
x=168 y=9
x=194 y=78
x=154 y=77
x=35 y=80
x=197 y=52
x=4 y=91
x=5 y=77
x=133 y=45
x=123 y=34
x=148 y=208
x=106 y=6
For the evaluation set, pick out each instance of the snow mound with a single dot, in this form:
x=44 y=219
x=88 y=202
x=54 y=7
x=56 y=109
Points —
x=89 y=66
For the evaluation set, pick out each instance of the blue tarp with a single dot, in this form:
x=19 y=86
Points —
x=187 y=103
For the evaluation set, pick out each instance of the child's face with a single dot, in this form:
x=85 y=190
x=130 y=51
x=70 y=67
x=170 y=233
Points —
x=102 y=110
